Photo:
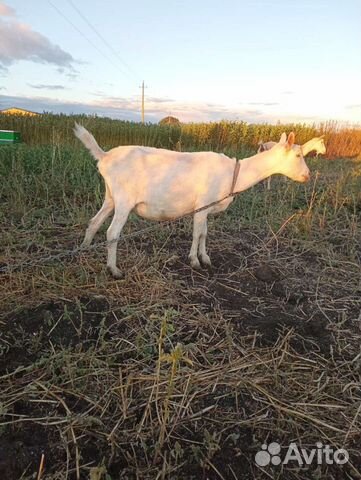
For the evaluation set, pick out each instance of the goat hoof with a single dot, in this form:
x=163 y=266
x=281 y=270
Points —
x=206 y=261
x=195 y=263
x=115 y=272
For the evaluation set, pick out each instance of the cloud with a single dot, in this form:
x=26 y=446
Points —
x=355 y=106
x=6 y=11
x=255 y=113
x=160 y=100
x=126 y=108
x=150 y=100
x=157 y=108
x=98 y=94
x=288 y=92
x=263 y=104
x=20 y=42
x=47 y=87
x=45 y=104
x=129 y=109
x=72 y=76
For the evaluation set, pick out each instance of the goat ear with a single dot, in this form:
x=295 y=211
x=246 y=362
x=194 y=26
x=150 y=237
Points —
x=290 y=140
x=283 y=138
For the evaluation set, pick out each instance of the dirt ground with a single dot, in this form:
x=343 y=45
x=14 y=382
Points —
x=268 y=350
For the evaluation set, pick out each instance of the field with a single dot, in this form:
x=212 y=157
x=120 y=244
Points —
x=172 y=373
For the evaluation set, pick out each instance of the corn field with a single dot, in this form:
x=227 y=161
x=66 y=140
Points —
x=233 y=138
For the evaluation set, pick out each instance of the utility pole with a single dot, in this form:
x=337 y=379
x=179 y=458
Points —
x=142 y=87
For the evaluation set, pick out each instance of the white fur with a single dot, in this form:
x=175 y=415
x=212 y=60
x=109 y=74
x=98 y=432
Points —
x=315 y=144
x=161 y=184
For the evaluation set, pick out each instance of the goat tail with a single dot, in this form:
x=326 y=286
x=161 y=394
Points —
x=88 y=141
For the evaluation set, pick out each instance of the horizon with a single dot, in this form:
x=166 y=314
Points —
x=206 y=66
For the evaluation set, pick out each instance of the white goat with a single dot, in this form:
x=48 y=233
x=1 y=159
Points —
x=316 y=144
x=161 y=184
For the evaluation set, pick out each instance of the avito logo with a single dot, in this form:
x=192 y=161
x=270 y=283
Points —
x=270 y=454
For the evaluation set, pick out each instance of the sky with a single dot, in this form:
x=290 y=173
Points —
x=201 y=60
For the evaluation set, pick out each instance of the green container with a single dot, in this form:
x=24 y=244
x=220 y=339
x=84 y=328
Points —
x=9 y=136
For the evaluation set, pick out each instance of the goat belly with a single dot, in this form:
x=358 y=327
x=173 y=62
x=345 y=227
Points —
x=151 y=212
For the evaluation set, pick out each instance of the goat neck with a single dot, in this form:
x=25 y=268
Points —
x=256 y=168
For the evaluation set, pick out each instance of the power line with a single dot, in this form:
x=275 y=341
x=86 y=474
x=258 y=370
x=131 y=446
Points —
x=85 y=37
x=99 y=35
x=142 y=86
